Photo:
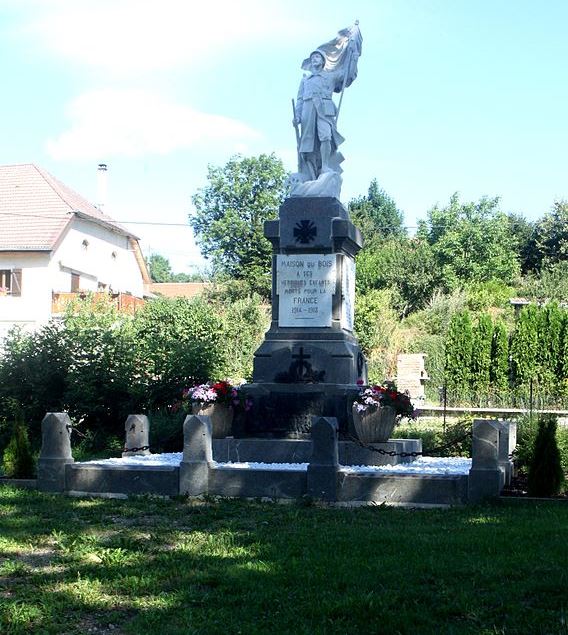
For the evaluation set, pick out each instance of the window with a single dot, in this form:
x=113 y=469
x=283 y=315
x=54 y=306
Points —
x=75 y=282
x=11 y=282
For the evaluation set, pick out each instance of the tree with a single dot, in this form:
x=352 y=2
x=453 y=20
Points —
x=405 y=266
x=551 y=237
x=549 y=327
x=550 y=283
x=500 y=357
x=524 y=346
x=471 y=242
x=161 y=271
x=522 y=232
x=459 y=344
x=229 y=217
x=545 y=471
x=377 y=215
x=159 y=268
x=563 y=356
x=481 y=354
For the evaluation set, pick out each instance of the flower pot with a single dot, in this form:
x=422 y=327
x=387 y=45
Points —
x=375 y=424
x=220 y=415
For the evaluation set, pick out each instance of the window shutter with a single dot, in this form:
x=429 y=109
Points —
x=16 y=282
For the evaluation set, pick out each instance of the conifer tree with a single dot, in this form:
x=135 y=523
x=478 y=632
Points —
x=563 y=356
x=458 y=355
x=481 y=354
x=524 y=344
x=549 y=342
x=545 y=470
x=499 y=373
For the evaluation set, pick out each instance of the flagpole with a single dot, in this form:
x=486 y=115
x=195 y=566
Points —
x=344 y=83
x=348 y=69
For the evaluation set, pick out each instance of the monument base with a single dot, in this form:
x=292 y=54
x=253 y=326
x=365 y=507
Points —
x=310 y=362
x=285 y=410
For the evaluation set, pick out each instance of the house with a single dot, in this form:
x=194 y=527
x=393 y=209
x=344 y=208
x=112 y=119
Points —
x=55 y=245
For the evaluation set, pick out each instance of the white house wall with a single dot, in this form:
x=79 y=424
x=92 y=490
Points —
x=47 y=272
x=33 y=307
x=95 y=262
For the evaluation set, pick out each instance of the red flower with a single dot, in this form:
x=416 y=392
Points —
x=221 y=387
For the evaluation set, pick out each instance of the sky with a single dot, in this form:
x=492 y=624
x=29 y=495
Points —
x=467 y=96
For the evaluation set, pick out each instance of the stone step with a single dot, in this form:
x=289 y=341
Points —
x=92 y=478
x=256 y=450
x=420 y=489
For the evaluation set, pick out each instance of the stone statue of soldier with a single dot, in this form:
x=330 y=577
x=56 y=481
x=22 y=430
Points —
x=331 y=67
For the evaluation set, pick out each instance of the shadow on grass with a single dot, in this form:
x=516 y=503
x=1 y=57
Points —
x=155 y=566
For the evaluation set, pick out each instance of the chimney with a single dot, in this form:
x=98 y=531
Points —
x=102 y=186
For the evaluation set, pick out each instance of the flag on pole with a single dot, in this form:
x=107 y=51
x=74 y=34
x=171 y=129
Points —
x=341 y=55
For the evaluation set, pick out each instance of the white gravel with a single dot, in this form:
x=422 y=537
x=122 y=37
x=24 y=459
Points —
x=422 y=465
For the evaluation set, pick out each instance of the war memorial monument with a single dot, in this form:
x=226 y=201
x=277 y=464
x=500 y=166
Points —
x=298 y=438
x=310 y=362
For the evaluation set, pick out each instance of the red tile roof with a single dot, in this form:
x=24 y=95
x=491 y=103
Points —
x=35 y=208
x=177 y=289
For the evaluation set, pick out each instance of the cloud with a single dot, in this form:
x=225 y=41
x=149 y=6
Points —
x=123 y=36
x=134 y=123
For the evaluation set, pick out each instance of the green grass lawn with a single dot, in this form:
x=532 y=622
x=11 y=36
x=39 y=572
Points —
x=155 y=566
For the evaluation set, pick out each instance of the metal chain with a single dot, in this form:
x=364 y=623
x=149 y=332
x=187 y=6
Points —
x=140 y=449
x=73 y=429
x=382 y=452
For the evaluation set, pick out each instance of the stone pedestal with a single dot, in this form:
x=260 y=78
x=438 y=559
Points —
x=486 y=477
x=137 y=429
x=507 y=445
x=197 y=456
x=310 y=361
x=55 y=452
x=323 y=469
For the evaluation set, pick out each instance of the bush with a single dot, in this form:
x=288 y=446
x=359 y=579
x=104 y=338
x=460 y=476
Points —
x=527 y=428
x=101 y=365
x=545 y=470
x=375 y=319
x=102 y=383
x=436 y=317
x=482 y=296
x=244 y=322
x=33 y=367
x=179 y=341
x=18 y=461
x=166 y=430
x=562 y=442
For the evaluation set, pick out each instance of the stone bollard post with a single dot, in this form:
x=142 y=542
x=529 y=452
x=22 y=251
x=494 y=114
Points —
x=323 y=468
x=486 y=478
x=137 y=429
x=507 y=444
x=55 y=452
x=197 y=456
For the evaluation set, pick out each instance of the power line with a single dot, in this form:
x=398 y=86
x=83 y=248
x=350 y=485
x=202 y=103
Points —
x=125 y=222
x=162 y=224
x=141 y=222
